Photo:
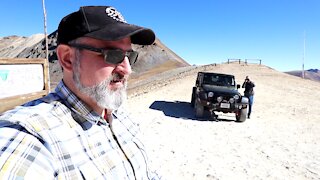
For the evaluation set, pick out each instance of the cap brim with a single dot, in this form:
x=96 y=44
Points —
x=139 y=35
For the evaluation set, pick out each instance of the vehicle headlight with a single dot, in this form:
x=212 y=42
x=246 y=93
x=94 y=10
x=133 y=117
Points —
x=210 y=94
x=231 y=100
x=236 y=96
x=219 y=99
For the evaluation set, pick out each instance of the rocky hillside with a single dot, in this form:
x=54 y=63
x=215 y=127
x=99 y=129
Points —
x=153 y=58
x=312 y=74
x=12 y=46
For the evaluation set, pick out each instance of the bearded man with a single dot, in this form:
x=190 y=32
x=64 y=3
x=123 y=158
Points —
x=81 y=131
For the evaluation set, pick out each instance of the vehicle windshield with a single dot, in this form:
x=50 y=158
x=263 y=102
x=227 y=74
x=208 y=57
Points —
x=218 y=80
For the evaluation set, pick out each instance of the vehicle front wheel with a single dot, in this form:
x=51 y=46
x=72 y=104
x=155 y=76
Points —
x=241 y=116
x=199 y=109
x=193 y=96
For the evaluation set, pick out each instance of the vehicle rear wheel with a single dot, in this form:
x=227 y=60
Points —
x=199 y=109
x=241 y=116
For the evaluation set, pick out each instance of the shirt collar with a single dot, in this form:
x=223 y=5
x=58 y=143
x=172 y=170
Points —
x=82 y=111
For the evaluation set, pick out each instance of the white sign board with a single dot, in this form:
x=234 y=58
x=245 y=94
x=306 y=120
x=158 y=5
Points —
x=17 y=79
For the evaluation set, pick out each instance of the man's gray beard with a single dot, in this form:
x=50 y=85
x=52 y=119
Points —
x=105 y=97
x=100 y=93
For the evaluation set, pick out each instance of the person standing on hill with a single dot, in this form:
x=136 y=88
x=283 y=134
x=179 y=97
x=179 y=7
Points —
x=81 y=130
x=248 y=86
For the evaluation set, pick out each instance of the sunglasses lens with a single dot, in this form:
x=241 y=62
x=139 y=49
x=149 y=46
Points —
x=133 y=57
x=114 y=56
x=117 y=56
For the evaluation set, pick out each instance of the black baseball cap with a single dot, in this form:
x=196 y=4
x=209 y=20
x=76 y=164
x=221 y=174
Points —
x=101 y=22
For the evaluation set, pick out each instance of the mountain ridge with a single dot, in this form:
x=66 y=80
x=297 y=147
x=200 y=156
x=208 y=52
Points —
x=152 y=59
x=312 y=74
x=155 y=56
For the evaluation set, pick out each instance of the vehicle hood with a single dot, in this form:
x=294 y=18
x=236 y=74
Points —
x=220 y=89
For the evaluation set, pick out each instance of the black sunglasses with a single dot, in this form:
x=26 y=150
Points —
x=111 y=56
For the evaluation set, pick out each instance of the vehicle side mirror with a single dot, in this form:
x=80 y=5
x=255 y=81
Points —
x=238 y=86
x=197 y=82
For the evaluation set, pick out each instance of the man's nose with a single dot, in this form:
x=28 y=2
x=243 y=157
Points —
x=124 y=66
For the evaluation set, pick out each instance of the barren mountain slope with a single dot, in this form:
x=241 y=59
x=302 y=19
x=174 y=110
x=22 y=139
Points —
x=312 y=74
x=152 y=59
x=11 y=46
x=280 y=141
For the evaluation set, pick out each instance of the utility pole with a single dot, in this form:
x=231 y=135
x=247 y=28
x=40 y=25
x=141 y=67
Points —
x=45 y=28
x=304 y=53
x=46 y=38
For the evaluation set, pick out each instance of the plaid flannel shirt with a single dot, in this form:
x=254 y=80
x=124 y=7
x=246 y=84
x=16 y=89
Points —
x=59 y=137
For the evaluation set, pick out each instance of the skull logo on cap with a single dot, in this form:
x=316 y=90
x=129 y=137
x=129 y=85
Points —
x=114 y=14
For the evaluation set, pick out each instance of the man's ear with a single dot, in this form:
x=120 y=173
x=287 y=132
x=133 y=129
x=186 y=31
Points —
x=64 y=53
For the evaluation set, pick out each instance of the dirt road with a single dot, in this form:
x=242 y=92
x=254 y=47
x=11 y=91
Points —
x=280 y=141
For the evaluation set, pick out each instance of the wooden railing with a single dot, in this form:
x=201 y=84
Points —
x=246 y=61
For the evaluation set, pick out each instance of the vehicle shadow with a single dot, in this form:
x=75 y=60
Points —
x=182 y=110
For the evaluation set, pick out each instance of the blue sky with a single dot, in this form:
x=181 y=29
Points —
x=202 y=31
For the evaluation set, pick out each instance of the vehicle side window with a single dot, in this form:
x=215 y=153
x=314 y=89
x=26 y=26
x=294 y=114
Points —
x=229 y=81
x=200 y=78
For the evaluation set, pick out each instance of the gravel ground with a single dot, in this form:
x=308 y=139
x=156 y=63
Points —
x=280 y=141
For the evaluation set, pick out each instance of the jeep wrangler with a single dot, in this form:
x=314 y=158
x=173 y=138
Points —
x=215 y=92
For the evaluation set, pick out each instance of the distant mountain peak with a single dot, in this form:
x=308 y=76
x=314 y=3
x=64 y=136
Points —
x=313 y=74
x=313 y=70
x=156 y=56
